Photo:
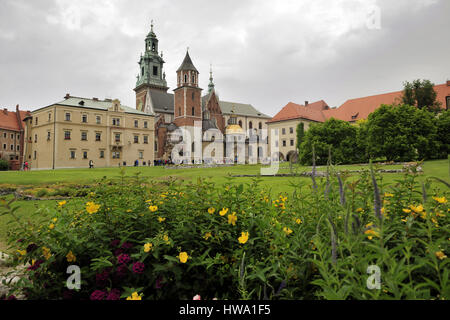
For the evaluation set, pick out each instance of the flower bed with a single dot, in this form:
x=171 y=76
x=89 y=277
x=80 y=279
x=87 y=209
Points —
x=134 y=241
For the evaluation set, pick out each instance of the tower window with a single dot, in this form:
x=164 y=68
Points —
x=153 y=47
x=193 y=95
x=193 y=78
x=155 y=70
x=193 y=111
x=179 y=111
x=185 y=78
x=142 y=71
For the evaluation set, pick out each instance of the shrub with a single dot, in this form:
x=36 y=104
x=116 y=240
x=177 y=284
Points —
x=237 y=242
x=41 y=193
x=4 y=165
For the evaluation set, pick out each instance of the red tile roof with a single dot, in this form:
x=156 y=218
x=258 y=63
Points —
x=292 y=111
x=9 y=121
x=360 y=108
x=351 y=110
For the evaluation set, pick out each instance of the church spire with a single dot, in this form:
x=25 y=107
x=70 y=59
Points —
x=211 y=83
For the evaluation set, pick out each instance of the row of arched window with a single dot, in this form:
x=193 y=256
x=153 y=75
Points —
x=250 y=124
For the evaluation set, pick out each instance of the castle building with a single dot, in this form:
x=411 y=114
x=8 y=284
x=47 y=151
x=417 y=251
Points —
x=193 y=112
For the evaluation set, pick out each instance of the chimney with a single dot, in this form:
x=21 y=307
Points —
x=306 y=103
x=17 y=108
x=95 y=99
x=5 y=111
x=67 y=96
x=448 y=83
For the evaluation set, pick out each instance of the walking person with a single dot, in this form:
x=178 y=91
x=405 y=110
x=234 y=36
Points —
x=91 y=164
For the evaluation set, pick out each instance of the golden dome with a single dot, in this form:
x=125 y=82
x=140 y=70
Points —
x=234 y=129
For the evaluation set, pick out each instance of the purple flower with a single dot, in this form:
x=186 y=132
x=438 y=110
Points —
x=102 y=278
x=127 y=245
x=98 y=295
x=123 y=258
x=115 y=243
x=114 y=294
x=159 y=284
x=138 y=267
x=36 y=265
x=118 y=252
x=11 y=297
x=121 y=271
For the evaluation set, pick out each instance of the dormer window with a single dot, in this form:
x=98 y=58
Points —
x=355 y=116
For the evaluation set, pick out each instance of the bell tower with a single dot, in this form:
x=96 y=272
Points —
x=187 y=100
x=151 y=74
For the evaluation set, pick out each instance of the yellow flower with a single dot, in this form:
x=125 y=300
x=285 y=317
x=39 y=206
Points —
x=232 y=219
x=440 y=200
x=153 y=208
x=183 y=256
x=91 y=207
x=55 y=219
x=46 y=253
x=386 y=194
x=440 y=255
x=211 y=210
x=371 y=233
x=207 y=235
x=22 y=252
x=71 y=257
x=51 y=226
x=417 y=209
x=223 y=212
x=286 y=230
x=359 y=210
x=161 y=219
x=134 y=296
x=298 y=221
x=406 y=211
x=129 y=210
x=148 y=247
x=243 y=238
x=166 y=238
x=61 y=203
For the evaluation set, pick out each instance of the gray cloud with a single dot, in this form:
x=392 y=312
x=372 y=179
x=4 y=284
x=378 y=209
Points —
x=263 y=52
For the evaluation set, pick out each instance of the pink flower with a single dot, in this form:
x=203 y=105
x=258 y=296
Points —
x=114 y=294
x=98 y=295
x=197 y=297
x=123 y=258
x=138 y=267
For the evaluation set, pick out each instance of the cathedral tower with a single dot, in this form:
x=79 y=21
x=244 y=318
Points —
x=151 y=74
x=187 y=100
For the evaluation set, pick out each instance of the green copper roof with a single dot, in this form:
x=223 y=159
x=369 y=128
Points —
x=241 y=109
x=103 y=105
x=187 y=64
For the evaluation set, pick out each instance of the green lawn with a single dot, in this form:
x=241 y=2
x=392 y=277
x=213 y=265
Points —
x=438 y=168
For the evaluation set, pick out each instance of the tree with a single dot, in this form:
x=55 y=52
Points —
x=443 y=134
x=402 y=133
x=300 y=135
x=420 y=94
x=340 y=135
x=4 y=165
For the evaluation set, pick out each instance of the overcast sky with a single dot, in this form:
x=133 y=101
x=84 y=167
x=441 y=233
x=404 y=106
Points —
x=266 y=53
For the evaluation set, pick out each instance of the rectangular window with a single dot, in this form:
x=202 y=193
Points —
x=83 y=136
x=4 y=146
x=276 y=143
x=4 y=135
x=12 y=135
x=117 y=137
x=35 y=155
x=98 y=119
x=84 y=118
x=291 y=130
x=72 y=154
x=98 y=136
x=145 y=139
x=18 y=148
x=66 y=135
x=102 y=154
x=292 y=143
x=116 y=155
x=48 y=135
x=35 y=138
x=116 y=122
x=136 y=139
x=136 y=123
x=156 y=145
x=36 y=121
x=284 y=143
x=145 y=124
x=12 y=147
x=85 y=155
x=283 y=131
x=50 y=117
x=141 y=155
x=155 y=70
x=448 y=102
x=67 y=116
